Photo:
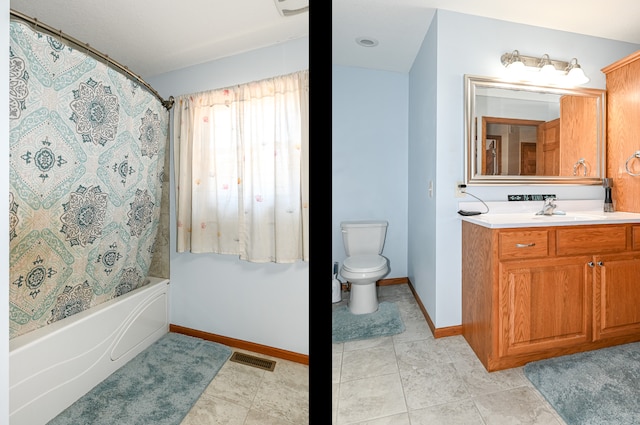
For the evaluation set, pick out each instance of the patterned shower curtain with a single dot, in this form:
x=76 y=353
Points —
x=87 y=147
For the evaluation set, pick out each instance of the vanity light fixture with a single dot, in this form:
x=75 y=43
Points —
x=543 y=69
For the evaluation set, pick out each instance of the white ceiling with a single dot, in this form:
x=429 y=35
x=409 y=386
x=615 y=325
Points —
x=152 y=37
x=400 y=25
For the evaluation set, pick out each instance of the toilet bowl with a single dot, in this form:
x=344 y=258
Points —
x=363 y=271
x=364 y=266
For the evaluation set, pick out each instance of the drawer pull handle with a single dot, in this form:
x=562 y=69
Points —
x=525 y=245
x=590 y=264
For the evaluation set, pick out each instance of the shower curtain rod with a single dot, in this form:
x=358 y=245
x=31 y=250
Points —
x=168 y=104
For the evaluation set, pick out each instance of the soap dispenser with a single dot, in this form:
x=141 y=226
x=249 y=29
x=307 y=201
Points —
x=608 y=203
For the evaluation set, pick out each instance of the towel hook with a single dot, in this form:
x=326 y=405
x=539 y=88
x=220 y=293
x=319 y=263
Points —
x=636 y=154
x=580 y=162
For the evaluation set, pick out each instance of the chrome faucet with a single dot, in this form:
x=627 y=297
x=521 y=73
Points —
x=548 y=208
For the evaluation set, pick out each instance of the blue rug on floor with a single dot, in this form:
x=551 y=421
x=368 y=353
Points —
x=595 y=387
x=158 y=386
x=352 y=327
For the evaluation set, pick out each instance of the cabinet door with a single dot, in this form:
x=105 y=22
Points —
x=544 y=304
x=616 y=295
x=578 y=132
x=623 y=126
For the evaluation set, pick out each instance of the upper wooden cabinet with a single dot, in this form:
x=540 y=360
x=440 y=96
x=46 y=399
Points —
x=623 y=128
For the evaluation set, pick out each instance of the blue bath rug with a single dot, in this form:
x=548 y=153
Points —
x=352 y=327
x=599 y=387
x=158 y=386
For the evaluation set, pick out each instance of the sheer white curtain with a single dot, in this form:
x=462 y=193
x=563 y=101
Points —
x=242 y=170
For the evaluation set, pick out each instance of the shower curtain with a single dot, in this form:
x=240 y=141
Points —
x=87 y=157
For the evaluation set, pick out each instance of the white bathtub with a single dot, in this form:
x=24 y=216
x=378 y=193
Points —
x=52 y=367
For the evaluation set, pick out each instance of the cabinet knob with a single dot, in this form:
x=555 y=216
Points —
x=590 y=264
x=600 y=263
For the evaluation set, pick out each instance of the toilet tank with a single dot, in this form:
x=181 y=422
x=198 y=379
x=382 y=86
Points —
x=363 y=237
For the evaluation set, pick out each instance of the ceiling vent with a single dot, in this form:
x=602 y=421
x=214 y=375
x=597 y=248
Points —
x=292 y=7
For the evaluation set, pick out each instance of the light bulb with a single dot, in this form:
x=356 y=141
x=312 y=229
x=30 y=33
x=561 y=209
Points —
x=548 y=69
x=576 y=76
x=547 y=75
x=516 y=66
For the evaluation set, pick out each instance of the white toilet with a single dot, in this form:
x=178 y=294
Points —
x=364 y=266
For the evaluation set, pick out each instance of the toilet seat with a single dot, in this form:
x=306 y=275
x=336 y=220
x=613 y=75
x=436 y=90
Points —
x=363 y=272
x=364 y=263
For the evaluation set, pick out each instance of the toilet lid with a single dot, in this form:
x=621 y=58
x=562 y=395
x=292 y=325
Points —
x=364 y=263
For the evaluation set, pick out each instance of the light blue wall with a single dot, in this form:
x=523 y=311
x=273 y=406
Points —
x=266 y=304
x=255 y=65
x=433 y=136
x=423 y=164
x=369 y=157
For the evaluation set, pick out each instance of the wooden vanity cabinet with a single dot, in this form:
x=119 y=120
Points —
x=539 y=292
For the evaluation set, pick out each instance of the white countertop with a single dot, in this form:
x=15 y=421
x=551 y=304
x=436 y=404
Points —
x=523 y=214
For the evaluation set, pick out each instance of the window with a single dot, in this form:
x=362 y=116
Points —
x=241 y=165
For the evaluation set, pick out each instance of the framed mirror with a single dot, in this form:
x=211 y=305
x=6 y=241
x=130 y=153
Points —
x=522 y=133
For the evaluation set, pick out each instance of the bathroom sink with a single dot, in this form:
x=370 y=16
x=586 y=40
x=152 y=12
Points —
x=568 y=213
x=570 y=217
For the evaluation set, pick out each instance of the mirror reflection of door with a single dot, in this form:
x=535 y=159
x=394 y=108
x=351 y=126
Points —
x=519 y=147
x=549 y=155
x=528 y=159
x=492 y=163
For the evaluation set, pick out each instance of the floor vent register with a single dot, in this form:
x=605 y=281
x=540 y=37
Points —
x=249 y=360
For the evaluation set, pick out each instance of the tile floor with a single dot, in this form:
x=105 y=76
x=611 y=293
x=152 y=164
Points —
x=414 y=379
x=245 y=395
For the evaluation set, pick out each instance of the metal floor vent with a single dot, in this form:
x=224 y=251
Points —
x=249 y=360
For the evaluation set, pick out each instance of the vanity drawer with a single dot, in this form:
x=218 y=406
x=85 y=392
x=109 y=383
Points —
x=591 y=240
x=524 y=244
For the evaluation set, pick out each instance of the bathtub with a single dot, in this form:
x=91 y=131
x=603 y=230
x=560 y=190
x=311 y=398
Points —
x=52 y=367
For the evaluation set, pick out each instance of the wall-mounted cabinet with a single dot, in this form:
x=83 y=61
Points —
x=539 y=292
x=623 y=127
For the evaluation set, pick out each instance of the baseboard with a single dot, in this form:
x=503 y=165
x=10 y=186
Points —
x=392 y=281
x=437 y=332
x=244 y=345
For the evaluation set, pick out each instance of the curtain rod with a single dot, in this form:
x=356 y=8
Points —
x=168 y=104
